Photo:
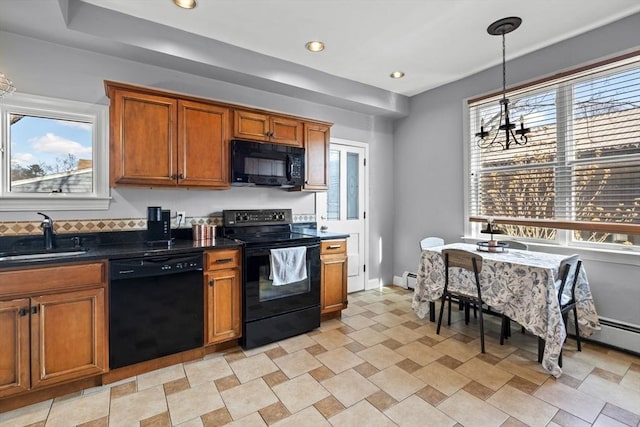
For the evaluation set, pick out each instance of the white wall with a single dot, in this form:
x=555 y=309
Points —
x=429 y=175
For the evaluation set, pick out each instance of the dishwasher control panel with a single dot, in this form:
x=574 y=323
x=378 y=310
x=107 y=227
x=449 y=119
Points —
x=154 y=266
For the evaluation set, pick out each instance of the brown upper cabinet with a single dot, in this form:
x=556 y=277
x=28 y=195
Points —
x=266 y=127
x=317 y=156
x=166 y=139
x=161 y=140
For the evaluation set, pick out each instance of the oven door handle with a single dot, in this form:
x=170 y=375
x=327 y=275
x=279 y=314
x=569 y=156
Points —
x=265 y=250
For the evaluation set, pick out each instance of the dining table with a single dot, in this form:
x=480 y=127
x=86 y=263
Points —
x=521 y=284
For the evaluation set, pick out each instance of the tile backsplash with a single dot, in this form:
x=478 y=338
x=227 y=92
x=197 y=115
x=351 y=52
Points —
x=26 y=228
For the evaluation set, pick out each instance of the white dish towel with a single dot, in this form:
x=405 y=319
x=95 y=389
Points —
x=288 y=265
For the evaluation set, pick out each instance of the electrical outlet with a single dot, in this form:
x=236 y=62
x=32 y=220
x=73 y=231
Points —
x=181 y=218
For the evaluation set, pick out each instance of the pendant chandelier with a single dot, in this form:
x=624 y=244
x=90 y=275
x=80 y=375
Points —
x=512 y=135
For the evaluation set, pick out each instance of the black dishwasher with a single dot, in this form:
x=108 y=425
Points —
x=156 y=307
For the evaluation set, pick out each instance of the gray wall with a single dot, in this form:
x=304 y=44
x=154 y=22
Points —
x=429 y=165
x=48 y=69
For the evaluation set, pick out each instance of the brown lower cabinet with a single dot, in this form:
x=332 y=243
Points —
x=333 y=276
x=223 y=289
x=52 y=325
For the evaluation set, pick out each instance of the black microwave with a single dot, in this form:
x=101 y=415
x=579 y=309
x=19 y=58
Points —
x=258 y=163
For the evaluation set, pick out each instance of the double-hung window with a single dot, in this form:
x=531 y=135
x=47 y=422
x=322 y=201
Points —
x=577 y=180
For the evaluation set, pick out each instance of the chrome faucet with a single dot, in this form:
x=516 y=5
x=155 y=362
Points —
x=47 y=228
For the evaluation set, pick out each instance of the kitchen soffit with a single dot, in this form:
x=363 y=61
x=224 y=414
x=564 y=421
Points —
x=432 y=41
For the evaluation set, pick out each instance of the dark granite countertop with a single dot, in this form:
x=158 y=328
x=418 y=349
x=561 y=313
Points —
x=92 y=246
x=311 y=230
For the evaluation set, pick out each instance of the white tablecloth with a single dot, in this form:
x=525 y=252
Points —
x=521 y=284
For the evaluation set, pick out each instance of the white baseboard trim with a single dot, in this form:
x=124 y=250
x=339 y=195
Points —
x=400 y=281
x=373 y=284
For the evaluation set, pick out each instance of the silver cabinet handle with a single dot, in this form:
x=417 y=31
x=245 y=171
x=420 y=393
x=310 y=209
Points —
x=334 y=246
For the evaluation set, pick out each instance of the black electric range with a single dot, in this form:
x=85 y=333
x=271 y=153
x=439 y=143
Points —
x=274 y=309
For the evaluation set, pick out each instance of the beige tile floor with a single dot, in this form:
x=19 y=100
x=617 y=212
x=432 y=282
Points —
x=378 y=365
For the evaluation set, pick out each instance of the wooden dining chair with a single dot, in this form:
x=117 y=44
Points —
x=569 y=273
x=467 y=261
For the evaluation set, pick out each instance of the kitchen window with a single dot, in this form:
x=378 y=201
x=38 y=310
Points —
x=54 y=154
x=577 y=181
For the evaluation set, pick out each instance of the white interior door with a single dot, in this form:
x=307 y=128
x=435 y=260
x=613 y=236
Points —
x=342 y=208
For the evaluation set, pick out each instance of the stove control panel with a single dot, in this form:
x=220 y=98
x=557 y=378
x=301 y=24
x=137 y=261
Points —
x=257 y=217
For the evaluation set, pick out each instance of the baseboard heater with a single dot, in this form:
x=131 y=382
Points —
x=410 y=279
x=619 y=325
x=616 y=335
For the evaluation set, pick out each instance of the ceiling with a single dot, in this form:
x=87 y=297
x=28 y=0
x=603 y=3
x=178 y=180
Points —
x=432 y=41
x=259 y=44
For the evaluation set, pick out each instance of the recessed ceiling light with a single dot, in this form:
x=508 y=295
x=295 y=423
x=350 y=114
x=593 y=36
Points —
x=314 y=46
x=396 y=75
x=185 y=4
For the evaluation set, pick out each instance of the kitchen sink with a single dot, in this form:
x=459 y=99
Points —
x=35 y=256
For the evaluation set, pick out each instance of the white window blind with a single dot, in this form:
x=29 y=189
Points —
x=580 y=169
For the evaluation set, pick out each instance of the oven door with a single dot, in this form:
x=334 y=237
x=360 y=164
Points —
x=262 y=299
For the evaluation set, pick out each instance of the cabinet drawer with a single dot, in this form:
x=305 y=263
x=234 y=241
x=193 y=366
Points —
x=54 y=277
x=333 y=247
x=222 y=258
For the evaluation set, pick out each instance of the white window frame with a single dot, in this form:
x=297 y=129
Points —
x=33 y=105
x=564 y=237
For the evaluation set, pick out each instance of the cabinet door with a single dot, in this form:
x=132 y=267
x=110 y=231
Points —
x=143 y=139
x=14 y=346
x=223 y=305
x=285 y=131
x=67 y=336
x=317 y=156
x=250 y=125
x=202 y=145
x=333 y=276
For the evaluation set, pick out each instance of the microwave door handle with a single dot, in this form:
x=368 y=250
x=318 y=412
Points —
x=289 y=167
